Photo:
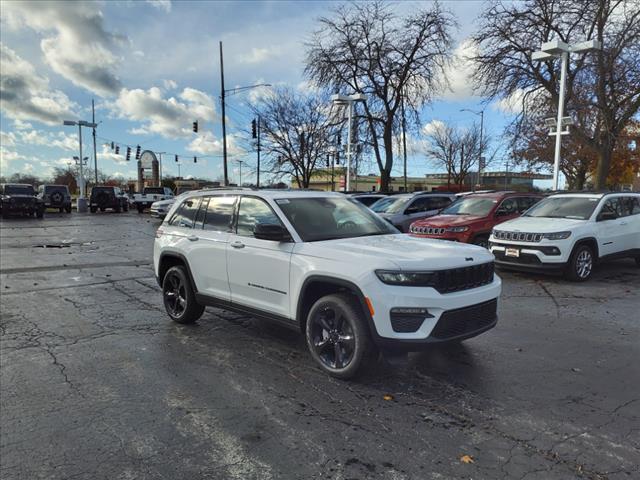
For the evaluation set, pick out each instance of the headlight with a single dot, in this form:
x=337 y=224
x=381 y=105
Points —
x=556 y=235
x=457 y=229
x=410 y=279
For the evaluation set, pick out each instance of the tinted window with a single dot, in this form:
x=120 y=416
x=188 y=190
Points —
x=509 y=206
x=525 y=203
x=478 y=206
x=613 y=205
x=632 y=205
x=368 y=201
x=439 y=202
x=420 y=204
x=186 y=213
x=19 y=190
x=253 y=211
x=391 y=204
x=154 y=190
x=218 y=213
x=332 y=217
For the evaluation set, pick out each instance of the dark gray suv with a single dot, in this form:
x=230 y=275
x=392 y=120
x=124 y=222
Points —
x=404 y=209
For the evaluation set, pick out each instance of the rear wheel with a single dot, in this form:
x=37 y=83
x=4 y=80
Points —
x=179 y=296
x=118 y=208
x=68 y=208
x=40 y=212
x=93 y=209
x=125 y=207
x=337 y=335
x=61 y=209
x=140 y=209
x=580 y=264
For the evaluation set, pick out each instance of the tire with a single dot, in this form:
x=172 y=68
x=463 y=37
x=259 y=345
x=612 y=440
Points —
x=581 y=264
x=140 y=209
x=125 y=208
x=638 y=261
x=39 y=213
x=117 y=208
x=337 y=335
x=61 y=209
x=178 y=296
x=481 y=241
x=102 y=209
x=68 y=209
x=93 y=209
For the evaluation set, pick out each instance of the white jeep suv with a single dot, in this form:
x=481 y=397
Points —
x=323 y=263
x=570 y=233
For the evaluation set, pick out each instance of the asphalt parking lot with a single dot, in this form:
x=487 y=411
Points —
x=96 y=382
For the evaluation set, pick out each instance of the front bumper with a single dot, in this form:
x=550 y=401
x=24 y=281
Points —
x=384 y=328
x=159 y=213
x=538 y=257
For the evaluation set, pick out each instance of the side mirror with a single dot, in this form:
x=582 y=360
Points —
x=270 y=231
x=607 y=216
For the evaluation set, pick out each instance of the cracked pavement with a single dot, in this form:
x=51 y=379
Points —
x=96 y=382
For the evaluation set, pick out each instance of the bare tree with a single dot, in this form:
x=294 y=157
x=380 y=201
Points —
x=457 y=150
x=296 y=130
x=366 y=48
x=606 y=82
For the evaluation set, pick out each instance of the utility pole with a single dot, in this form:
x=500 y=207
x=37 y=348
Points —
x=240 y=162
x=480 y=166
x=95 y=154
x=461 y=164
x=258 y=169
x=160 y=165
x=404 y=144
x=224 y=121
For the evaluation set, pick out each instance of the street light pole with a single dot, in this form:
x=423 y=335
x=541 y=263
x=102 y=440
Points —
x=224 y=120
x=82 y=201
x=559 y=49
x=481 y=149
x=348 y=100
x=95 y=154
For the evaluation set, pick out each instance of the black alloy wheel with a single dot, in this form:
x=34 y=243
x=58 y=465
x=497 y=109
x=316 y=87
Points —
x=337 y=336
x=179 y=297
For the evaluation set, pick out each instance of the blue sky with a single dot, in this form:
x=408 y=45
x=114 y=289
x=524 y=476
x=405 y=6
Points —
x=153 y=67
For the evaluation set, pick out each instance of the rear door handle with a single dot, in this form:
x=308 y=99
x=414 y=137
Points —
x=193 y=238
x=237 y=245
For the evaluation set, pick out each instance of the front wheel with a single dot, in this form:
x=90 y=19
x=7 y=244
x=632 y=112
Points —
x=125 y=207
x=580 y=264
x=118 y=209
x=68 y=209
x=337 y=335
x=40 y=213
x=140 y=209
x=179 y=296
x=93 y=209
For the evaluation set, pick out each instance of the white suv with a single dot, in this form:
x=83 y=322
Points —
x=569 y=233
x=323 y=263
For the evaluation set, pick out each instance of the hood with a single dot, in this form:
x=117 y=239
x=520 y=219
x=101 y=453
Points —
x=539 y=224
x=448 y=220
x=399 y=251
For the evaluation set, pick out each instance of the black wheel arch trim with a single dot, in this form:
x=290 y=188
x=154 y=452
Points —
x=588 y=240
x=184 y=261
x=339 y=282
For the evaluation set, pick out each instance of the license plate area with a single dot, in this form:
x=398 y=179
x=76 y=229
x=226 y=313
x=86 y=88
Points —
x=512 y=252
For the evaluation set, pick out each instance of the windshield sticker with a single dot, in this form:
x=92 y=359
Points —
x=282 y=201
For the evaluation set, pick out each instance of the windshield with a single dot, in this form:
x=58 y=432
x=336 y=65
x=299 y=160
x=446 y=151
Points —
x=390 y=204
x=480 y=207
x=53 y=188
x=331 y=218
x=154 y=190
x=19 y=190
x=579 y=208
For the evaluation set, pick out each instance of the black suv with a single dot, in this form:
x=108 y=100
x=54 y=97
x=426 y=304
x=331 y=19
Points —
x=55 y=196
x=103 y=197
x=19 y=199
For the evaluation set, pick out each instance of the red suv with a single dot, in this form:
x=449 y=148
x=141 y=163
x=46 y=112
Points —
x=471 y=218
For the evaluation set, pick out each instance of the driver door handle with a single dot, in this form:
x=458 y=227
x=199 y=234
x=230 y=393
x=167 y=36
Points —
x=237 y=245
x=193 y=238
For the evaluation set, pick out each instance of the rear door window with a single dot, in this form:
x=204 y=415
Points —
x=508 y=206
x=525 y=203
x=219 y=213
x=185 y=215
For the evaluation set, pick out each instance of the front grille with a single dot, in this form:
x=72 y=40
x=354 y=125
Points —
x=23 y=202
x=517 y=236
x=454 y=323
x=428 y=230
x=464 y=278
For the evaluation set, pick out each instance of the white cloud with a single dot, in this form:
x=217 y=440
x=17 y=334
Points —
x=206 y=143
x=7 y=158
x=169 y=84
x=161 y=4
x=458 y=74
x=20 y=125
x=257 y=55
x=7 y=139
x=107 y=154
x=432 y=127
x=515 y=103
x=26 y=95
x=76 y=44
x=170 y=117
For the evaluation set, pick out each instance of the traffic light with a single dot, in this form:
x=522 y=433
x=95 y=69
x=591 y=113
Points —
x=195 y=159
x=117 y=149
x=128 y=153
x=112 y=145
x=328 y=161
x=254 y=129
x=195 y=127
x=176 y=158
x=138 y=152
x=337 y=158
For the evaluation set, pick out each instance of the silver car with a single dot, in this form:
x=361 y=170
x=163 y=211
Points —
x=160 y=208
x=404 y=209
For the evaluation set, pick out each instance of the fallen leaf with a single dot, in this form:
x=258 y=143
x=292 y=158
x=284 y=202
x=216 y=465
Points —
x=387 y=397
x=466 y=459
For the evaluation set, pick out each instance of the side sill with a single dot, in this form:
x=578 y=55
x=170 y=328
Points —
x=211 y=301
